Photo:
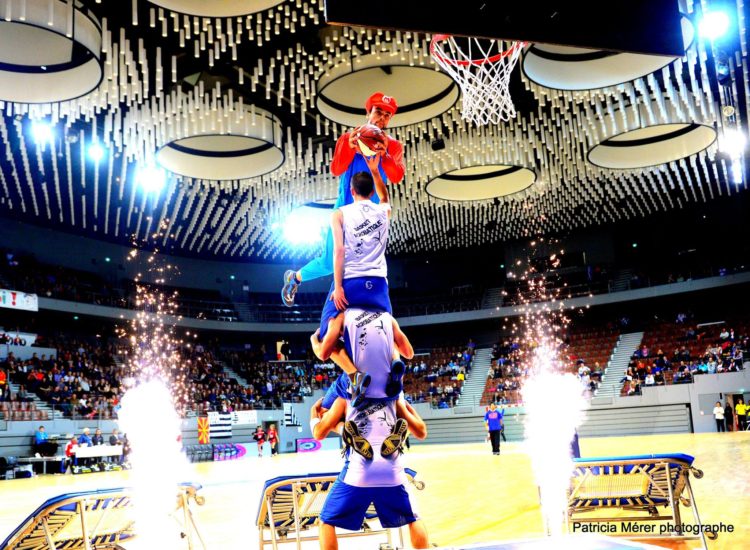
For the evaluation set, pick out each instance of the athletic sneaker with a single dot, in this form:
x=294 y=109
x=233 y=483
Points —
x=395 y=441
x=395 y=386
x=289 y=290
x=359 y=382
x=354 y=440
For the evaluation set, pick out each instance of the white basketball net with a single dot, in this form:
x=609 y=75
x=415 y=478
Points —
x=482 y=68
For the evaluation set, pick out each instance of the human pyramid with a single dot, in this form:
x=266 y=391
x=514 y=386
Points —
x=358 y=332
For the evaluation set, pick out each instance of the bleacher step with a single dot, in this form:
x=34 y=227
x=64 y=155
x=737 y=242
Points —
x=624 y=349
x=476 y=380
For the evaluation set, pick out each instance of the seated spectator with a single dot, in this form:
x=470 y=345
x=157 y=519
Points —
x=628 y=377
x=42 y=445
x=40 y=437
x=84 y=440
x=597 y=373
x=115 y=438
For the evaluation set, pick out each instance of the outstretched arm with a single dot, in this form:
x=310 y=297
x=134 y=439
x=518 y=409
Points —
x=380 y=188
x=417 y=427
x=337 y=229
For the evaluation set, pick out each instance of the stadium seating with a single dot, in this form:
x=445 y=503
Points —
x=436 y=372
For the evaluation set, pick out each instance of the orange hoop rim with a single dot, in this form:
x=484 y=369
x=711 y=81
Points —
x=458 y=63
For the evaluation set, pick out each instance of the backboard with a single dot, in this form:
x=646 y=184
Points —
x=640 y=26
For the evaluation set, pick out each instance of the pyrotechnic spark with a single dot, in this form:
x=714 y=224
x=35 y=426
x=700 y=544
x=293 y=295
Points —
x=158 y=465
x=552 y=397
x=153 y=341
x=156 y=382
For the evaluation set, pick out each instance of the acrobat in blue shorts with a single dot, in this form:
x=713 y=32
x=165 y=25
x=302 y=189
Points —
x=340 y=388
x=369 y=293
x=346 y=506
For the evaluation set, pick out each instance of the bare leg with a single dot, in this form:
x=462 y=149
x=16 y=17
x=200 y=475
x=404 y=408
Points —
x=342 y=359
x=327 y=537
x=418 y=535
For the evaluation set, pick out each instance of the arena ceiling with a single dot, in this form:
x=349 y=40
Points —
x=242 y=106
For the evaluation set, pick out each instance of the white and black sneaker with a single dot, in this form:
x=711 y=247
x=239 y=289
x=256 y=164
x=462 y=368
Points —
x=289 y=290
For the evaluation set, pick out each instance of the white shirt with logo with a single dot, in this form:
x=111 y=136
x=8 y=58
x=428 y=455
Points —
x=365 y=239
x=374 y=423
x=370 y=336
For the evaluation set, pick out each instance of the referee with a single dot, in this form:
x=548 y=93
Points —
x=493 y=419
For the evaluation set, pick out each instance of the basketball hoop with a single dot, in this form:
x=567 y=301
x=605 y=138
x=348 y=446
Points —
x=482 y=68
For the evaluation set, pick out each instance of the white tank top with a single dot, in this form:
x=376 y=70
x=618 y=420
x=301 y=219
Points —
x=374 y=422
x=370 y=338
x=365 y=239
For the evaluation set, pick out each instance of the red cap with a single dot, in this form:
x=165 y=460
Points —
x=385 y=102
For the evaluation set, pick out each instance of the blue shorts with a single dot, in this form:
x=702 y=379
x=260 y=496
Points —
x=338 y=389
x=370 y=293
x=346 y=506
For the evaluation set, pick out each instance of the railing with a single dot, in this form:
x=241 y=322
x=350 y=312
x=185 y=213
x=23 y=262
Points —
x=68 y=412
x=274 y=312
x=674 y=381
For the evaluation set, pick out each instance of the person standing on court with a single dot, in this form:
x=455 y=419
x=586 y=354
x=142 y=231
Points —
x=729 y=416
x=719 y=416
x=493 y=420
x=260 y=438
x=347 y=161
x=741 y=410
x=273 y=439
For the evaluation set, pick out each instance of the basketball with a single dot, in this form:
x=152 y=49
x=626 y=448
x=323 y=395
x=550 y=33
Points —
x=369 y=138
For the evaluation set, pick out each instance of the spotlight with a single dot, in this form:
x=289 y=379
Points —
x=151 y=178
x=714 y=24
x=305 y=225
x=438 y=144
x=733 y=142
x=96 y=152
x=42 y=132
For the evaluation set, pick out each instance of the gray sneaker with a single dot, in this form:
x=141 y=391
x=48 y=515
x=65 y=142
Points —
x=289 y=290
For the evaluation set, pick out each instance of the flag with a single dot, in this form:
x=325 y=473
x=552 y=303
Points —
x=290 y=419
x=203 y=430
x=219 y=425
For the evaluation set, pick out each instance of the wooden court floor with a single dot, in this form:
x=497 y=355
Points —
x=471 y=496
